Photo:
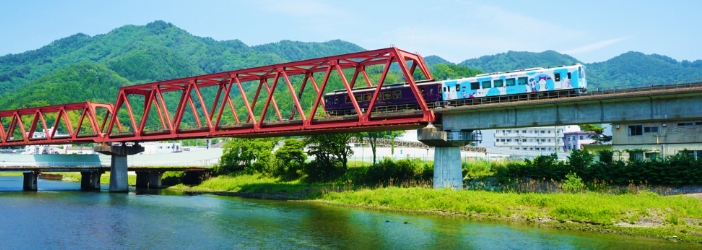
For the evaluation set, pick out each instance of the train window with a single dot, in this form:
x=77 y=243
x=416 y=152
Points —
x=557 y=76
x=445 y=89
x=387 y=95
x=486 y=84
x=336 y=99
x=458 y=87
x=498 y=83
x=510 y=82
x=568 y=75
x=367 y=97
x=522 y=81
x=431 y=91
x=347 y=99
x=474 y=85
x=358 y=98
x=422 y=89
x=396 y=94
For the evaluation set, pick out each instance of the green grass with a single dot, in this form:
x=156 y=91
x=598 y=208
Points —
x=11 y=173
x=104 y=178
x=249 y=183
x=625 y=213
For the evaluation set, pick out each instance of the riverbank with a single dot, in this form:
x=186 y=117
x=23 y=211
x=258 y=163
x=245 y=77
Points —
x=645 y=214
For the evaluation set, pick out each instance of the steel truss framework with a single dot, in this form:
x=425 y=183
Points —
x=209 y=121
x=87 y=129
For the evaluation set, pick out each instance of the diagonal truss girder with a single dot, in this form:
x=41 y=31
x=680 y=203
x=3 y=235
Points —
x=209 y=114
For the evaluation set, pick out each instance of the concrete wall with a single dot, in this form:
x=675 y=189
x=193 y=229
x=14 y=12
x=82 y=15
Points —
x=624 y=108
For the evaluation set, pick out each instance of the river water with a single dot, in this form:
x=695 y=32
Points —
x=61 y=216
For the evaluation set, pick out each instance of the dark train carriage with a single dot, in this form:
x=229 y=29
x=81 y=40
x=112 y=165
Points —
x=392 y=97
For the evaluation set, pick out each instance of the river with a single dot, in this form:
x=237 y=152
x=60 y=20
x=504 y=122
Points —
x=61 y=216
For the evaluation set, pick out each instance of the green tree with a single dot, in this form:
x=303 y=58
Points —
x=373 y=140
x=290 y=158
x=252 y=155
x=331 y=152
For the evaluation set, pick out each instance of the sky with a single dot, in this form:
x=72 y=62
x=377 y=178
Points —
x=591 y=31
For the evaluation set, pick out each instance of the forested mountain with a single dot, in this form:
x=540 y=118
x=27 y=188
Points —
x=518 y=60
x=635 y=68
x=85 y=81
x=631 y=68
x=82 y=67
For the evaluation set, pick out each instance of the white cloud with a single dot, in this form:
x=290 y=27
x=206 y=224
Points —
x=594 y=46
x=467 y=30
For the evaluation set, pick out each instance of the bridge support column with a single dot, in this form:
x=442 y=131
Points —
x=142 y=179
x=118 y=166
x=193 y=177
x=155 y=179
x=30 y=181
x=118 y=174
x=447 y=154
x=95 y=180
x=447 y=168
x=85 y=180
x=90 y=180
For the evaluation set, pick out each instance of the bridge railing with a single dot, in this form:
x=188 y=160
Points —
x=201 y=163
x=591 y=91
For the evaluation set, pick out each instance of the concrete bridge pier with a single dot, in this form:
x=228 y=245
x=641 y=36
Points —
x=142 y=179
x=90 y=180
x=448 y=172
x=194 y=177
x=30 y=181
x=118 y=166
x=148 y=179
x=155 y=179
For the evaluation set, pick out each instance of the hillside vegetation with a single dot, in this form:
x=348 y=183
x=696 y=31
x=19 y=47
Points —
x=82 y=67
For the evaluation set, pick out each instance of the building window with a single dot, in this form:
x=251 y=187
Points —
x=635 y=130
x=582 y=137
x=685 y=123
x=524 y=131
x=653 y=129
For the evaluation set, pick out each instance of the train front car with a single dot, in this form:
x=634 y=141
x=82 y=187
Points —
x=568 y=79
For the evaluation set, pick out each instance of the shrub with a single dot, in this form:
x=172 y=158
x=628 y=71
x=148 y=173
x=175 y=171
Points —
x=573 y=183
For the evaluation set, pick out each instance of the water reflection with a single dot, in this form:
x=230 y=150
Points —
x=60 y=216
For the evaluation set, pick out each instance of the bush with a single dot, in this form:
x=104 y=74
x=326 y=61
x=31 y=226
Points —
x=573 y=183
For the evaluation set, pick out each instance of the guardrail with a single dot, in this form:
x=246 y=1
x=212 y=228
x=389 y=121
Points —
x=202 y=163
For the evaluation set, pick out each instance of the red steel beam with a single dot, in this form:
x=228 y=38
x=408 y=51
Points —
x=256 y=124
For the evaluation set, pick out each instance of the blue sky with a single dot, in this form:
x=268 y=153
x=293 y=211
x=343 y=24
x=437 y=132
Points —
x=590 y=31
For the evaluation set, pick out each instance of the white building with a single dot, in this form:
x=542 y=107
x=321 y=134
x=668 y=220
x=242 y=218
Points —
x=161 y=147
x=543 y=139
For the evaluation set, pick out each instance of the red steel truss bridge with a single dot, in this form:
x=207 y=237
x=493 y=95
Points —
x=162 y=117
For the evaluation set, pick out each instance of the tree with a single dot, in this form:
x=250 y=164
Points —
x=599 y=137
x=329 y=151
x=373 y=140
x=252 y=155
x=291 y=158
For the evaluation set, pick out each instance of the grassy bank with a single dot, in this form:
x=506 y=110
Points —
x=11 y=174
x=104 y=178
x=642 y=214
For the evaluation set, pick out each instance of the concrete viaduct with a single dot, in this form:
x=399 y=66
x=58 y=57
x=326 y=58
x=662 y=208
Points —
x=678 y=102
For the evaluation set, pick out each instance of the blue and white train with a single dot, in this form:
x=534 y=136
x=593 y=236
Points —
x=523 y=81
x=532 y=81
